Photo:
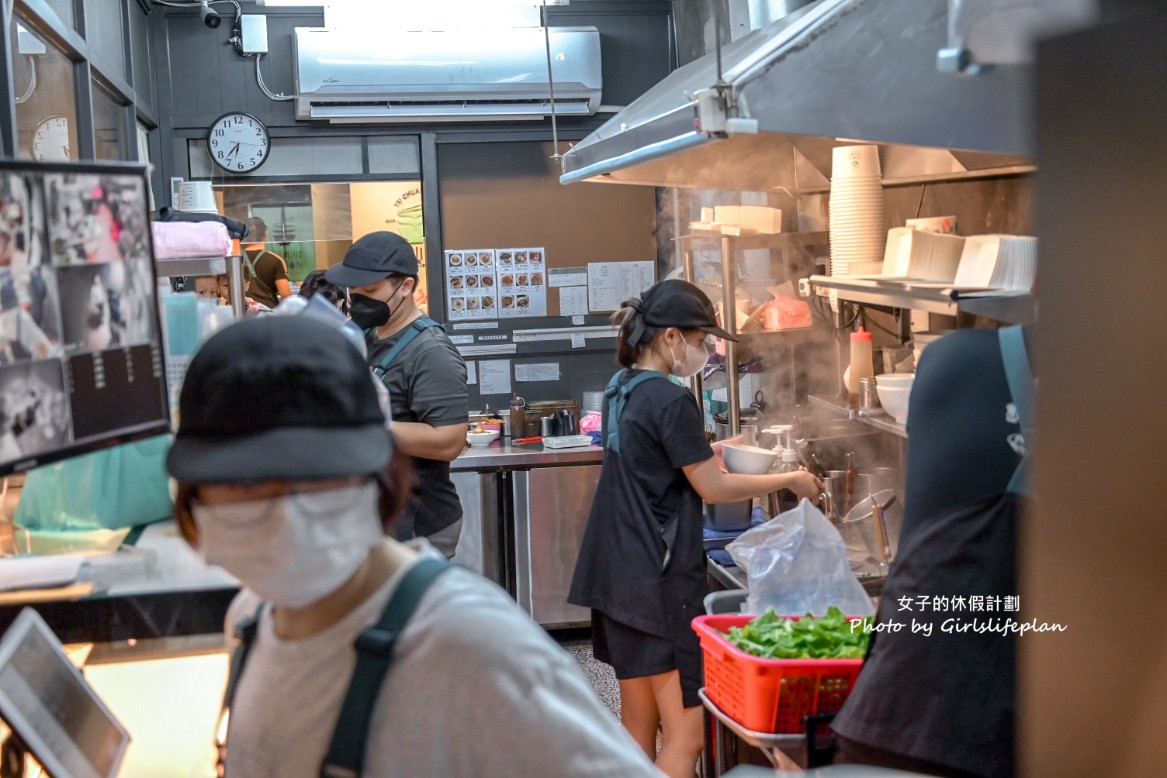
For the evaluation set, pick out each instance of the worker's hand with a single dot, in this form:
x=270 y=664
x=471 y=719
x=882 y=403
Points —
x=804 y=484
x=718 y=452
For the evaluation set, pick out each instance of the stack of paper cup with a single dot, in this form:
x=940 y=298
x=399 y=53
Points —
x=856 y=219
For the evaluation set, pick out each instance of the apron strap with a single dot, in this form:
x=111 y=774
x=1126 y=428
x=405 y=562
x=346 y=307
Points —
x=375 y=644
x=1020 y=377
x=416 y=327
x=617 y=394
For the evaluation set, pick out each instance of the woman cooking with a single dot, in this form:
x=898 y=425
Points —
x=641 y=567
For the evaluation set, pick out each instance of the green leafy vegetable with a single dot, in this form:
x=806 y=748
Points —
x=825 y=637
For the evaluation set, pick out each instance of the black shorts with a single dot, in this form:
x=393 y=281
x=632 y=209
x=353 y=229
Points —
x=633 y=653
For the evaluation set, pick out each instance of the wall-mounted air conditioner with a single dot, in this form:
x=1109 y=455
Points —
x=457 y=75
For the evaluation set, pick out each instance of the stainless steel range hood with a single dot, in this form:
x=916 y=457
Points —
x=830 y=73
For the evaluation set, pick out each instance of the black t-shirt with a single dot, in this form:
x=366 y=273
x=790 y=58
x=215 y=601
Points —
x=267 y=268
x=963 y=433
x=661 y=431
x=426 y=383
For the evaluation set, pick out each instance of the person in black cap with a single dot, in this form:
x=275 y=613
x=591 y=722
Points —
x=424 y=373
x=269 y=272
x=641 y=566
x=294 y=500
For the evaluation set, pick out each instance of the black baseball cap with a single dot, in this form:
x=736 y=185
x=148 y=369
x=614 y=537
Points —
x=677 y=303
x=373 y=257
x=278 y=398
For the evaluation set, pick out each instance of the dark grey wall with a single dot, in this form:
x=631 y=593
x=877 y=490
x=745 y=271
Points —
x=200 y=77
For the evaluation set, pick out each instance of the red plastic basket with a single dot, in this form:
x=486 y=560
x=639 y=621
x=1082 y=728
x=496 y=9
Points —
x=769 y=695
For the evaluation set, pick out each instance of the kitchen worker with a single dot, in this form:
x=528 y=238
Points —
x=943 y=702
x=641 y=567
x=269 y=272
x=293 y=499
x=424 y=373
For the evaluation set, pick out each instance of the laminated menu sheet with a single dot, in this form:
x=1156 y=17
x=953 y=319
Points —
x=496 y=283
x=471 y=285
x=611 y=283
x=522 y=282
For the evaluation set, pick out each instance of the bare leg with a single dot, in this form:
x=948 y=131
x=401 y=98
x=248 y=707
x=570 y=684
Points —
x=638 y=712
x=683 y=729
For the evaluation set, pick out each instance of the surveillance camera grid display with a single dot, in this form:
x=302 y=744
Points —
x=80 y=356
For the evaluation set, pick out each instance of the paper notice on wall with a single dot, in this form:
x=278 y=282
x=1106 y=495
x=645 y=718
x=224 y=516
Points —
x=522 y=282
x=471 y=286
x=494 y=376
x=567 y=276
x=578 y=341
x=573 y=301
x=610 y=283
x=471 y=373
x=544 y=371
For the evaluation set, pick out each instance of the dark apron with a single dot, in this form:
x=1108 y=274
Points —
x=637 y=570
x=948 y=697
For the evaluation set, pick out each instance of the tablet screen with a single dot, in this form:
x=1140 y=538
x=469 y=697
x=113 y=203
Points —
x=48 y=703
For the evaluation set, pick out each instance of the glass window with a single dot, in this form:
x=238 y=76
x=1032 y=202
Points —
x=64 y=9
x=289 y=157
x=46 y=112
x=140 y=49
x=104 y=33
x=107 y=121
x=141 y=152
x=312 y=225
x=394 y=156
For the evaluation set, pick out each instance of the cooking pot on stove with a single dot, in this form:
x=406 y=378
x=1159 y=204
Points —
x=751 y=420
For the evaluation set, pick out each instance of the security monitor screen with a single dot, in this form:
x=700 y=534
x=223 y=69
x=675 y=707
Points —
x=80 y=348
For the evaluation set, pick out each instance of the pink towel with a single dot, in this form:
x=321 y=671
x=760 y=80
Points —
x=184 y=240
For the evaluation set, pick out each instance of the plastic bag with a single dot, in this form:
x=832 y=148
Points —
x=113 y=488
x=797 y=562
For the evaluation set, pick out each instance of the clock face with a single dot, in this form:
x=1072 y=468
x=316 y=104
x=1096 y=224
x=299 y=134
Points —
x=50 y=139
x=238 y=142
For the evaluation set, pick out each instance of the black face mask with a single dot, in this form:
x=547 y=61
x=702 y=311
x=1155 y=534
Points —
x=369 y=312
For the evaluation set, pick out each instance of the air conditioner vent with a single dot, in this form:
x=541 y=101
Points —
x=446 y=76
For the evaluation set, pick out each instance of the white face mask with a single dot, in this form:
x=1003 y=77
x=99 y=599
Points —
x=294 y=549
x=691 y=361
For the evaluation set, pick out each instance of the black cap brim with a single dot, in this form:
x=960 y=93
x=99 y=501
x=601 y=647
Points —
x=713 y=329
x=343 y=275
x=281 y=454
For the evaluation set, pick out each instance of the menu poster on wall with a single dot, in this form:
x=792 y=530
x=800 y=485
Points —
x=611 y=283
x=573 y=301
x=522 y=282
x=471 y=286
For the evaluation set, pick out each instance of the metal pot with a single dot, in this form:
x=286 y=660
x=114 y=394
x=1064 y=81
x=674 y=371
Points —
x=751 y=421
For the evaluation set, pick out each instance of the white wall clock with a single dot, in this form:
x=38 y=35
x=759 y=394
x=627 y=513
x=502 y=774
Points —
x=50 y=139
x=238 y=142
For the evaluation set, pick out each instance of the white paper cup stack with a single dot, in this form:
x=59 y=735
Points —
x=856 y=219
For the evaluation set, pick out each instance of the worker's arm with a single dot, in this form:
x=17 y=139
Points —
x=283 y=288
x=421 y=440
x=716 y=486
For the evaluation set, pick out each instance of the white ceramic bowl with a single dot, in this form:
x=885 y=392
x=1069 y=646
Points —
x=478 y=439
x=895 y=379
x=748 y=459
x=894 y=400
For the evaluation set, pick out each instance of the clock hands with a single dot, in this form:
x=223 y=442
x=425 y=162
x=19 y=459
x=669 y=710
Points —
x=234 y=150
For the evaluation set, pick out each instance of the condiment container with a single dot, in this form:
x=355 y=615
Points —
x=861 y=364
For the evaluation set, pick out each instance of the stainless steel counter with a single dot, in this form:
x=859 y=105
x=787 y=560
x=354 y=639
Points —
x=498 y=456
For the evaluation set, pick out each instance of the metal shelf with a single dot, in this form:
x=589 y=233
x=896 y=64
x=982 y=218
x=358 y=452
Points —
x=192 y=266
x=777 y=240
x=781 y=337
x=881 y=420
x=1018 y=308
